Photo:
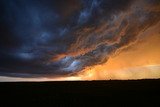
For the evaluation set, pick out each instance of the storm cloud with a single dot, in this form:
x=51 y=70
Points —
x=41 y=38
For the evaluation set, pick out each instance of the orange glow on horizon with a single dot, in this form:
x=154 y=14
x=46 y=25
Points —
x=139 y=61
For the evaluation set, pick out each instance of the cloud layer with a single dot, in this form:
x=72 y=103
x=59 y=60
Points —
x=43 y=38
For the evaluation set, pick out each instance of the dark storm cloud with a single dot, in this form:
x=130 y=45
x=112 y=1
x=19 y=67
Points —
x=58 y=37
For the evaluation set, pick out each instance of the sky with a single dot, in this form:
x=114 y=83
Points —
x=52 y=40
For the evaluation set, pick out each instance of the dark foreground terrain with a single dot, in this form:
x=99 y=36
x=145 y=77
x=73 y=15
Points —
x=81 y=93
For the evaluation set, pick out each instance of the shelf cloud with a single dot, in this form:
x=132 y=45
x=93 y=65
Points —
x=50 y=38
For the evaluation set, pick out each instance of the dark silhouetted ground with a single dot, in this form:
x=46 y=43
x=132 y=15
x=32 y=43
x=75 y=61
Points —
x=82 y=93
